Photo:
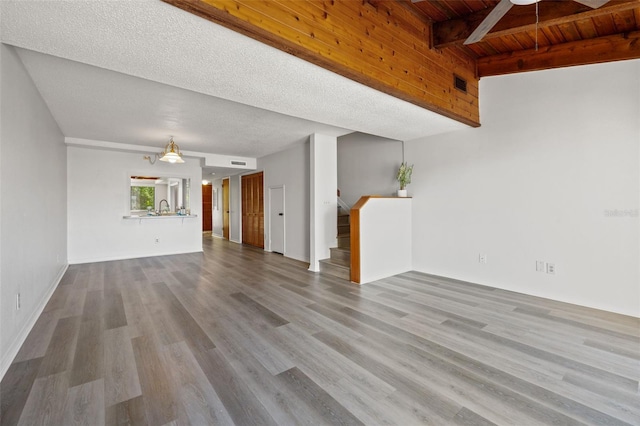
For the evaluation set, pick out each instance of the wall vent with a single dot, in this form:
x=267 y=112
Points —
x=460 y=83
x=238 y=163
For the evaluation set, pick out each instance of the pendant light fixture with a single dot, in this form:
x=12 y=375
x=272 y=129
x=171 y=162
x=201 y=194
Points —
x=171 y=153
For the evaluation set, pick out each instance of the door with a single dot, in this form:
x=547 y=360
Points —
x=207 y=211
x=253 y=210
x=225 y=208
x=276 y=219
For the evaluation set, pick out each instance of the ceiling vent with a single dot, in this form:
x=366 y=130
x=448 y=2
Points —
x=238 y=163
x=460 y=83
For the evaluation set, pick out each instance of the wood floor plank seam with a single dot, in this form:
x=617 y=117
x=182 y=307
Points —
x=625 y=403
x=239 y=336
x=589 y=370
x=449 y=354
x=528 y=301
x=489 y=319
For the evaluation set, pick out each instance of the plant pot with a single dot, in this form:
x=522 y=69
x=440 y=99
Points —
x=402 y=193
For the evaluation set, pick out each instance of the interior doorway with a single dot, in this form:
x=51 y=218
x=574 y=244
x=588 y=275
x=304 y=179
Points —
x=276 y=219
x=253 y=210
x=225 y=208
x=207 y=211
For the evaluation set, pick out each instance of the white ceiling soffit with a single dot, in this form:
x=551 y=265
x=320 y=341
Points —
x=156 y=41
x=221 y=172
x=93 y=103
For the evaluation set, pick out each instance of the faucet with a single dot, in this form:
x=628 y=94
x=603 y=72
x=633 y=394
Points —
x=160 y=205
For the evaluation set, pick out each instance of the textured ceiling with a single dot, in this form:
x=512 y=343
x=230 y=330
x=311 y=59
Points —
x=94 y=103
x=157 y=42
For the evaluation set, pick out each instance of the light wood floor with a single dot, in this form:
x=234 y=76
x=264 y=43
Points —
x=240 y=336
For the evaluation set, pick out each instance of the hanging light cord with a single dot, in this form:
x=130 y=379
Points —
x=537 y=21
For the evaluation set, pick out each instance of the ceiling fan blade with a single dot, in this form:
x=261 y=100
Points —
x=489 y=22
x=593 y=3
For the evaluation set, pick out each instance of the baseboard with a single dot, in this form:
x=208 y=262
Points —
x=298 y=258
x=528 y=293
x=74 y=261
x=14 y=347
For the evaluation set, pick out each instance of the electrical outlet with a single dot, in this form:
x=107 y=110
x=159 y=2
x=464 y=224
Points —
x=551 y=268
x=18 y=302
x=157 y=240
x=482 y=258
x=540 y=266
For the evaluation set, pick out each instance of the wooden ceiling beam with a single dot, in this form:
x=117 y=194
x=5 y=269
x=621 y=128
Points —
x=379 y=43
x=522 y=18
x=593 y=51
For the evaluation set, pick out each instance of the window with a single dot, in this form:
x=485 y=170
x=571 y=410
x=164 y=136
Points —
x=158 y=195
x=143 y=197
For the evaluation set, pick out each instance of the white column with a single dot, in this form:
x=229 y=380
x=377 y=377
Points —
x=323 y=223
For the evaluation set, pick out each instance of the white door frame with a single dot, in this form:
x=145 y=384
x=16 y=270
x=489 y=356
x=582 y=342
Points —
x=284 y=220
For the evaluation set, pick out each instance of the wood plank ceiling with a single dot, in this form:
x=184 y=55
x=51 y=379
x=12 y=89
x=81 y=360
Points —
x=415 y=51
x=568 y=33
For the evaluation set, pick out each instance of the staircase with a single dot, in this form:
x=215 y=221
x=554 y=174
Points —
x=339 y=264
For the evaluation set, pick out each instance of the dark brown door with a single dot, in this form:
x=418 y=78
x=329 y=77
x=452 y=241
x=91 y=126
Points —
x=207 y=212
x=225 y=208
x=253 y=210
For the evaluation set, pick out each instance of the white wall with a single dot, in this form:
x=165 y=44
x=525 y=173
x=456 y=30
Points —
x=385 y=238
x=217 y=213
x=557 y=150
x=160 y=194
x=98 y=198
x=3 y=362
x=291 y=169
x=367 y=165
x=235 y=209
x=33 y=216
x=323 y=186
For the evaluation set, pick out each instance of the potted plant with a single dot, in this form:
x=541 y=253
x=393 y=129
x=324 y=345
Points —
x=404 y=177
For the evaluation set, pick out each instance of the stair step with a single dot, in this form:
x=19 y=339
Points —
x=344 y=229
x=343 y=219
x=341 y=255
x=344 y=241
x=334 y=269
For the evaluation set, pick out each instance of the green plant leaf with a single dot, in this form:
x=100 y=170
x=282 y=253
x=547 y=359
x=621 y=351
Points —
x=404 y=174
